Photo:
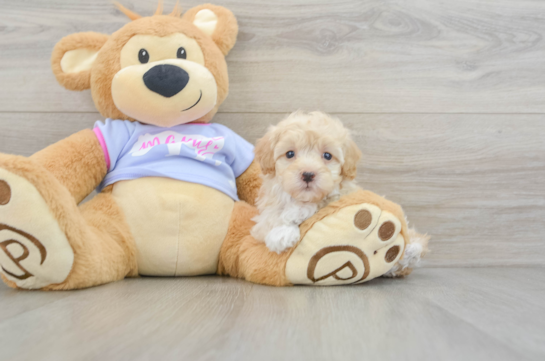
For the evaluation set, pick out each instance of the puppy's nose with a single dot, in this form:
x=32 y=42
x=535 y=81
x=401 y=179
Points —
x=308 y=177
x=165 y=79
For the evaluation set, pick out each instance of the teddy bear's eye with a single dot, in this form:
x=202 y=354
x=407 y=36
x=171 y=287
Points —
x=143 y=56
x=290 y=154
x=327 y=156
x=181 y=53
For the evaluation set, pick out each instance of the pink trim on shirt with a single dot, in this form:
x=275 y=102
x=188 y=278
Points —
x=102 y=142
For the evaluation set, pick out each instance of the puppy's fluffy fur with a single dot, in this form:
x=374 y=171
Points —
x=308 y=160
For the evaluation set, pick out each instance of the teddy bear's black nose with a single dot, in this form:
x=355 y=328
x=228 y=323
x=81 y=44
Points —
x=165 y=79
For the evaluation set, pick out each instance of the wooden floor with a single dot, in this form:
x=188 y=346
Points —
x=446 y=99
x=436 y=314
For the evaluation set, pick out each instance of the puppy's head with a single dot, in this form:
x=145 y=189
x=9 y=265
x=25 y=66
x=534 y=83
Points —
x=309 y=153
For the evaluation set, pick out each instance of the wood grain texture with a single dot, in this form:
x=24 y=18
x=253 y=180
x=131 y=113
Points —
x=435 y=314
x=470 y=181
x=347 y=56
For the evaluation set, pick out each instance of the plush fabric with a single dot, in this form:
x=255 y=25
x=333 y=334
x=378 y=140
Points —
x=79 y=154
x=80 y=80
x=225 y=34
x=176 y=232
x=96 y=232
x=108 y=60
x=243 y=257
x=363 y=255
x=32 y=227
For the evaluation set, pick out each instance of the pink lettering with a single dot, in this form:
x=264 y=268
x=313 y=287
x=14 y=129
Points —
x=202 y=146
x=197 y=143
x=206 y=146
x=146 y=145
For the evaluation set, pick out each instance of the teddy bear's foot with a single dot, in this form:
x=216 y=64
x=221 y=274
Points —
x=34 y=251
x=351 y=244
x=48 y=242
x=416 y=248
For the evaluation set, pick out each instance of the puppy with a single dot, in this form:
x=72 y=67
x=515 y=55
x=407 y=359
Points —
x=308 y=160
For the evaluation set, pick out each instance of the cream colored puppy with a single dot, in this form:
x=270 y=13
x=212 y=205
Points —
x=308 y=160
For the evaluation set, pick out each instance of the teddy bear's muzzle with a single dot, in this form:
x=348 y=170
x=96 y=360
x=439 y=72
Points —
x=165 y=93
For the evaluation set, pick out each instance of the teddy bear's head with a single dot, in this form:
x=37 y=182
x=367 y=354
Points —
x=163 y=70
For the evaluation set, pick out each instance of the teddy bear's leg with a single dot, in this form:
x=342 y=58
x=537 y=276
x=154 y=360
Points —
x=353 y=240
x=242 y=256
x=107 y=247
x=48 y=242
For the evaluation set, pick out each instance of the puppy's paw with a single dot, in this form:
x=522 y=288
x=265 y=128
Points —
x=281 y=238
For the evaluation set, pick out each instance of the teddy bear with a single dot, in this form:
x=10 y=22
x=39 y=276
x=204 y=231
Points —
x=176 y=191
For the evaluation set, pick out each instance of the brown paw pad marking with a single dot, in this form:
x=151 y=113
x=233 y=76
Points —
x=392 y=254
x=5 y=193
x=363 y=219
x=386 y=231
x=335 y=273
x=17 y=260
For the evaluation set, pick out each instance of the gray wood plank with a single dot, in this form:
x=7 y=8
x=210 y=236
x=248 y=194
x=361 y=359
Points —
x=15 y=302
x=435 y=314
x=512 y=289
x=391 y=56
x=471 y=181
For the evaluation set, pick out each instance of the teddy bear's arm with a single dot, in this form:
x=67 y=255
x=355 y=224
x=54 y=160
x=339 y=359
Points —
x=249 y=183
x=77 y=162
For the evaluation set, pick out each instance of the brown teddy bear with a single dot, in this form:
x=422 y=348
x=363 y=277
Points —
x=176 y=191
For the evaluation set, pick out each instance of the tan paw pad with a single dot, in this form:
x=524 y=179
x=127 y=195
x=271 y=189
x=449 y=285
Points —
x=354 y=245
x=34 y=252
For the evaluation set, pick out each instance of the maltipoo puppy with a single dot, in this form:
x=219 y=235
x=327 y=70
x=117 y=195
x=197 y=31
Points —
x=308 y=160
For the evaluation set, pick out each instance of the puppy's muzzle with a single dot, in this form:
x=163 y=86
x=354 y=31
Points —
x=308 y=176
x=166 y=80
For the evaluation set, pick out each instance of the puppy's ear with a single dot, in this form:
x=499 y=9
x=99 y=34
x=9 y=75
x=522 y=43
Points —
x=73 y=58
x=264 y=153
x=217 y=22
x=352 y=155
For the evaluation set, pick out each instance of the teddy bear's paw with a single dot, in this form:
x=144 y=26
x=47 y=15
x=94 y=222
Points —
x=34 y=252
x=354 y=245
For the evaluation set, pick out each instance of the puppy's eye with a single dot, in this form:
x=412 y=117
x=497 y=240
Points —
x=290 y=154
x=327 y=156
x=143 y=56
x=181 y=53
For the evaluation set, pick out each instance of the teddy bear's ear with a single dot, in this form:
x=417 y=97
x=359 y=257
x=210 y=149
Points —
x=73 y=57
x=217 y=22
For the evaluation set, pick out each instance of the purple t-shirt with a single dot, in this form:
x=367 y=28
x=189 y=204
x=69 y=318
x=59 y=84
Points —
x=208 y=154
